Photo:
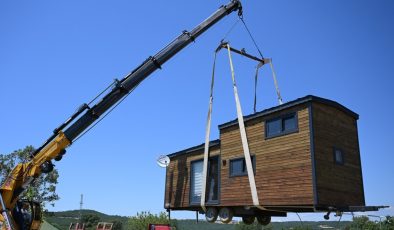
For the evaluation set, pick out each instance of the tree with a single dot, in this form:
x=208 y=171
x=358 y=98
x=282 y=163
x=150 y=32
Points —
x=43 y=188
x=388 y=223
x=117 y=225
x=143 y=219
x=362 y=222
x=90 y=220
x=254 y=226
x=302 y=228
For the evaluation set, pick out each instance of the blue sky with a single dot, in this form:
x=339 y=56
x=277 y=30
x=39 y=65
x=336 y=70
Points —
x=55 y=56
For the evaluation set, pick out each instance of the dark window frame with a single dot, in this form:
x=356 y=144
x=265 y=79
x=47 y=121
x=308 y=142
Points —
x=282 y=132
x=337 y=161
x=219 y=180
x=191 y=203
x=245 y=173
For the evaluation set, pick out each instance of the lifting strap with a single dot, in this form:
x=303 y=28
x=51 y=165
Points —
x=275 y=82
x=266 y=60
x=207 y=135
x=245 y=145
x=242 y=129
x=255 y=85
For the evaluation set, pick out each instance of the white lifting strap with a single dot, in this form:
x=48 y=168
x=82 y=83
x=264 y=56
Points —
x=244 y=139
x=266 y=60
x=255 y=85
x=269 y=60
x=207 y=135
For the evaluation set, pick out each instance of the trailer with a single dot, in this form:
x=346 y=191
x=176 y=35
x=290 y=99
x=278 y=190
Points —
x=305 y=156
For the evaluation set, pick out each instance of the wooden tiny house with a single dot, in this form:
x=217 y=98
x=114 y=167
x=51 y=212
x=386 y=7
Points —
x=305 y=156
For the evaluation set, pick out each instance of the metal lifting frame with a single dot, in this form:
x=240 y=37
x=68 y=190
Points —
x=244 y=140
x=261 y=62
x=225 y=45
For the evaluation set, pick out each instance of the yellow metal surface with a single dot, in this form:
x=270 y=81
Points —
x=36 y=224
x=2 y=224
x=24 y=173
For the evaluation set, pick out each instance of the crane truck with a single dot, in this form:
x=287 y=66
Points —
x=22 y=176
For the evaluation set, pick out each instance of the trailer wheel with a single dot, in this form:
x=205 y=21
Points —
x=226 y=215
x=264 y=220
x=248 y=220
x=211 y=215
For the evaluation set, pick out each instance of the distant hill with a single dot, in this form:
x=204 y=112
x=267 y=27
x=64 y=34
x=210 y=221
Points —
x=62 y=220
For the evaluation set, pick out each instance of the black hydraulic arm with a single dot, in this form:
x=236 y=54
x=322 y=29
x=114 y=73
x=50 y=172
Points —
x=128 y=83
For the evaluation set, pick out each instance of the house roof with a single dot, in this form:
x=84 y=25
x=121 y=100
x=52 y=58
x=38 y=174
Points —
x=302 y=100
x=47 y=226
x=195 y=148
x=299 y=101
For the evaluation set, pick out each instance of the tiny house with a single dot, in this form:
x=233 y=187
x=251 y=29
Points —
x=305 y=156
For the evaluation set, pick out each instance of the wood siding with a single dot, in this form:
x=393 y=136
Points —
x=283 y=164
x=177 y=191
x=337 y=185
x=292 y=170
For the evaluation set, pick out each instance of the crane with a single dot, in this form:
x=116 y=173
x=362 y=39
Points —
x=12 y=206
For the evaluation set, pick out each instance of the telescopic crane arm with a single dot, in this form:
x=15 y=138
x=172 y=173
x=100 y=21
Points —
x=54 y=148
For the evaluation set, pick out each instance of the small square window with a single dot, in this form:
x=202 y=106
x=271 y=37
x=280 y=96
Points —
x=274 y=127
x=238 y=166
x=338 y=156
x=281 y=126
x=289 y=124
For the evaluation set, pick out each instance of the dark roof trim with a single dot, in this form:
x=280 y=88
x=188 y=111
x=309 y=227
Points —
x=290 y=104
x=195 y=148
x=299 y=101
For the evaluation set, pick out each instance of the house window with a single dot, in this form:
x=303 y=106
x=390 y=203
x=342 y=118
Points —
x=196 y=182
x=212 y=183
x=238 y=166
x=281 y=126
x=338 y=156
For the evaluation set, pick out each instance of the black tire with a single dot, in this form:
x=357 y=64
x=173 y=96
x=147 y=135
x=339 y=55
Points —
x=47 y=167
x=264 y=220
x=211 y=215
x=248 y=220
x=226 y=215
x=58 y=157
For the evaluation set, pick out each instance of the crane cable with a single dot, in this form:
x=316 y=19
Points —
x=260 y=65
x=251 y=37
x=231 y=29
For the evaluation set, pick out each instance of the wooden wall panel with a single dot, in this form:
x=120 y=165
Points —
x=339 y=185
x=284 y=170
x=283 y=164
x=177 y=190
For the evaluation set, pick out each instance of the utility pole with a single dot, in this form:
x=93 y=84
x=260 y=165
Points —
x=80 y=209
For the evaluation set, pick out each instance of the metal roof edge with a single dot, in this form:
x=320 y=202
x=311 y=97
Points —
x=194 y=148
x=299 y=101
x=290 y=104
